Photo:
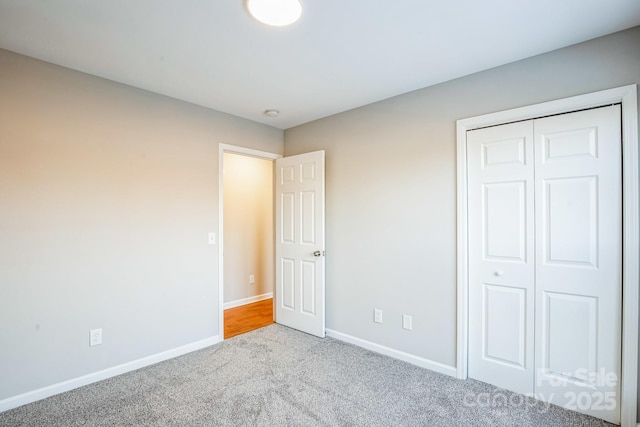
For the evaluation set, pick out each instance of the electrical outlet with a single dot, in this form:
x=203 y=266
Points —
x=95 y=337
x=407 y=322
x=252 y=279
x=377 y=315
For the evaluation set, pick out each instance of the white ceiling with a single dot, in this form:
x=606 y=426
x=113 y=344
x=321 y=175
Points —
x=342 y=53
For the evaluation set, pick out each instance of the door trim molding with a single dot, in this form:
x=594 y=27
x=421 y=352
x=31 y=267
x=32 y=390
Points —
x=627 y=96
x=234 y=149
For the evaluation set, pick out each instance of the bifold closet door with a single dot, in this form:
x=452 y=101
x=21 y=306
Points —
x=501 y=255
x=545 y=251
x=578 y=184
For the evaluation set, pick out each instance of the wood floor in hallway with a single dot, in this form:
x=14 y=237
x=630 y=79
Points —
x=245 y=318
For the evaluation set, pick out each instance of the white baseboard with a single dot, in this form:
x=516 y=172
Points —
x=244 y=301
x=396 y=354
x=42 y=393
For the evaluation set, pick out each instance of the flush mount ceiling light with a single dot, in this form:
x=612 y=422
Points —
x=272 y=113
x=275 y=12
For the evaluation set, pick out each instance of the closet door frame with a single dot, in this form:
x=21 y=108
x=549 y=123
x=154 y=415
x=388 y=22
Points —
x=627 y=96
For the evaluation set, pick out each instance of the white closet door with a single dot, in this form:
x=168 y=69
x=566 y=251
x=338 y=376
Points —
x=545 y=237
x=578 y=260
x=501 y=255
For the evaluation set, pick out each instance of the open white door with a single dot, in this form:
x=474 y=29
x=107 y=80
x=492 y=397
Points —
x=300 y=262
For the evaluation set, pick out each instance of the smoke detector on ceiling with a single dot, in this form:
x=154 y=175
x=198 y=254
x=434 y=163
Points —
x=272 y=113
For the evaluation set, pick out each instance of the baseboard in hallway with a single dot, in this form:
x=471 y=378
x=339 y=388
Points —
x=245 y=301
x=248 y=317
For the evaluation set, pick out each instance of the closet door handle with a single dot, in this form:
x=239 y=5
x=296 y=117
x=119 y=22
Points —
x=498 y=273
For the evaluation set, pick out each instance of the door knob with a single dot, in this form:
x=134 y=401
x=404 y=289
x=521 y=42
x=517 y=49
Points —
x=498 y=273
x=317 y=253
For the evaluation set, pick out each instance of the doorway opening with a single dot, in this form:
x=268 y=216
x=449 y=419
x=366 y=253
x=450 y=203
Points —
x=246 y=256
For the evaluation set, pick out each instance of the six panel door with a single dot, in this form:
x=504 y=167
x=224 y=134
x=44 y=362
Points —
x=299 y=194
x=545 y=250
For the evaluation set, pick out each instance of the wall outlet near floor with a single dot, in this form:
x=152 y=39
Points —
x=377 y=315
x=252 y=279
x=95 y=337
x=407 y=322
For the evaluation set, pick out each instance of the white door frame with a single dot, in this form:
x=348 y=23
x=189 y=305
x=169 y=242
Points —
x=243 y=151
x=627 y=96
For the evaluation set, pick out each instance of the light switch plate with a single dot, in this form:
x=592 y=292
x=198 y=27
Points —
x=212 y=238
x=407 y=322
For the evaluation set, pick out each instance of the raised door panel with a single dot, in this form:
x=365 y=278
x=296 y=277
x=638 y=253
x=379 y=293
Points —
x=570 y=221
x=569 y=340
x=287 y=218
x=503 y=152
x=287 y=284
x=308 y=226
x=504 y=325
x=504 y=226
x=308 y=287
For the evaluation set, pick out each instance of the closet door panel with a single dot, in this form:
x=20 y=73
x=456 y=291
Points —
x=578 y=260
x=501 y=254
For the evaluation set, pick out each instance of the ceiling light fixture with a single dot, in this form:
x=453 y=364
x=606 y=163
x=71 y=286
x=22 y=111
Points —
x=277 y=13
x=272 y=113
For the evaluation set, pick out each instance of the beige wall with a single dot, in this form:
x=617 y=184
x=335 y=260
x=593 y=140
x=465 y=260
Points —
x=107 y=194
x=391 y=189
x=248 y=227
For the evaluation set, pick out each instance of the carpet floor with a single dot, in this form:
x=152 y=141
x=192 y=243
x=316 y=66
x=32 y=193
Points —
x=276 y=376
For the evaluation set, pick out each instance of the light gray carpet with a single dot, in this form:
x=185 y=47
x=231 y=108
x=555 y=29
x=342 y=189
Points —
x=276 y=376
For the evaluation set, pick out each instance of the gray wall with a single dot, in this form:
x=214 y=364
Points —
x=391 y=188
x=107 y=194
